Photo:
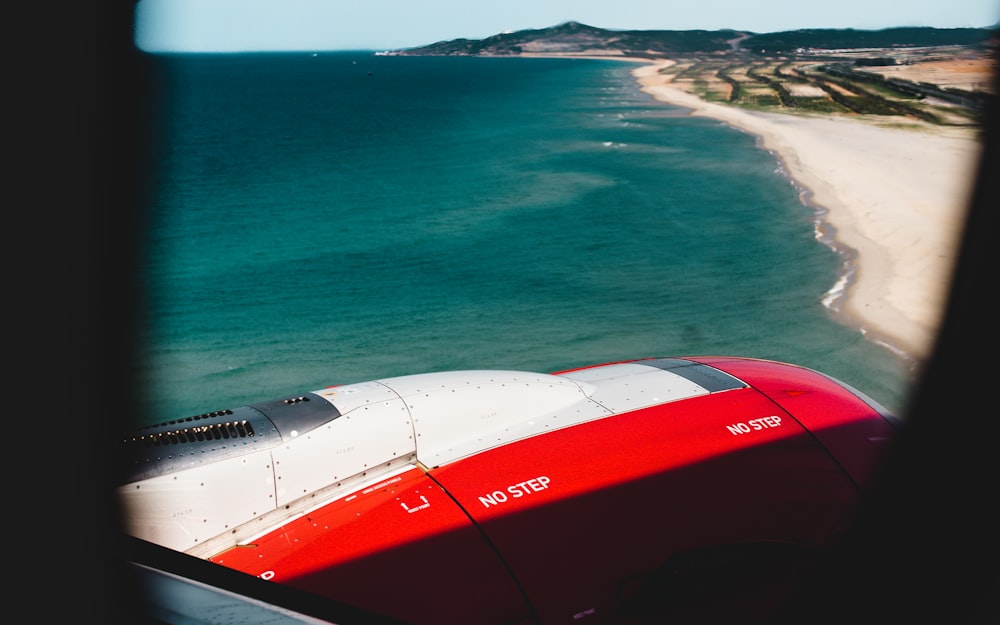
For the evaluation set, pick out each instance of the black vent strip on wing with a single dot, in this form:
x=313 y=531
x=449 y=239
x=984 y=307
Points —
x=184 y=443
x=709 y=378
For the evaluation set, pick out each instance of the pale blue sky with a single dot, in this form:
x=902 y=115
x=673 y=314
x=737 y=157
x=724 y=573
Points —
x=255 y=25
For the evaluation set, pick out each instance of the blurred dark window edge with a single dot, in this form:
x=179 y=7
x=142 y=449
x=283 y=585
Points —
x=925 y=544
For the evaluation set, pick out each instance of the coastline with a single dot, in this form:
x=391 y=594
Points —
x=890 y=199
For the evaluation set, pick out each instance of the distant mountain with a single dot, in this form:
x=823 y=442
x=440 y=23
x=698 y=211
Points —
x=901 y=37
x=577 y=38
x=581 y=39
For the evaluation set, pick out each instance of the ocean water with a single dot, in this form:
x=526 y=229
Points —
x=339 y=217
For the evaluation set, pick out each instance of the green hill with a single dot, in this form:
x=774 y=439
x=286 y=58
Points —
x=577 y=38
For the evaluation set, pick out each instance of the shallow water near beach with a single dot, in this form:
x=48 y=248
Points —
x=340 y=217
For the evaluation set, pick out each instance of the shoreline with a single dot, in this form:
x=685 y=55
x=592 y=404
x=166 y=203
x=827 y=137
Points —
x=889 y=199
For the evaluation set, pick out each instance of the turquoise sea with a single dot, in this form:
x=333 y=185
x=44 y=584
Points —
x=329 y=218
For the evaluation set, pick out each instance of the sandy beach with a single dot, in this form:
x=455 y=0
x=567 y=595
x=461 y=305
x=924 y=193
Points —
x=890 y=198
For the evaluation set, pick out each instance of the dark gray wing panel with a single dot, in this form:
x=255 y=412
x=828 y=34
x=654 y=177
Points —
x=709 y=378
